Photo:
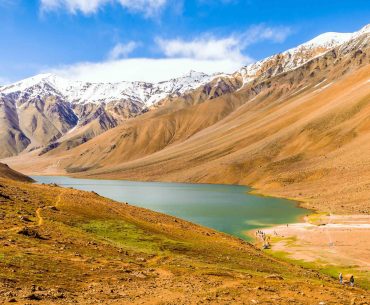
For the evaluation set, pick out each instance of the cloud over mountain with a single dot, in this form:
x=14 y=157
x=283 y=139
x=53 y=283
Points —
x=206 y=53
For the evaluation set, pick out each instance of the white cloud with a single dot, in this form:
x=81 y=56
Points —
x=209 y=47
x=142 y=69
x=121 y=50
x=206 y=53
x=146 y=7
x=203 y=48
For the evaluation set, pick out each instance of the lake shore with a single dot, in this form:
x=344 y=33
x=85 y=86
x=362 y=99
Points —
x=332 y=243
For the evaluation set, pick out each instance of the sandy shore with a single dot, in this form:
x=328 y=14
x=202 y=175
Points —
x=339 y=241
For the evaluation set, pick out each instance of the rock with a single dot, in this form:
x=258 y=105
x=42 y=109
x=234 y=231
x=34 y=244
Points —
x=141 y=259
x=274 y=277
x=25 y=219
x=26 y=231
x=33 y=297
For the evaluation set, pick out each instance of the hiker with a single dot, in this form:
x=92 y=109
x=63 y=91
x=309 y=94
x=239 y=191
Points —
x=352 y=281
x=341 y=278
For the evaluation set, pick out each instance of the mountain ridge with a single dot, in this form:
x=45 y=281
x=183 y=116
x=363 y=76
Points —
x=43 y=111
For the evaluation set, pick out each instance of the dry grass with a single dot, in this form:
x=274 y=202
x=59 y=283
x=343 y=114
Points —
x=91 y=250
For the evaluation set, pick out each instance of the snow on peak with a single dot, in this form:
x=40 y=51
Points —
x=148 y=94
x=364 y=30
x=86 y=92
x=299 y=55
x=327 y=40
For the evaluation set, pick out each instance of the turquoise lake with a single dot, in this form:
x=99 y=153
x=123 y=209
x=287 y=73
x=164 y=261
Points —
x=227 y=208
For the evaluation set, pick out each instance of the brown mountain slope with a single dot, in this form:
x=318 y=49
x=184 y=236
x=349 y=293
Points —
x=62 y=246
x=312 y=147
x=7 y=173
x=302 y=134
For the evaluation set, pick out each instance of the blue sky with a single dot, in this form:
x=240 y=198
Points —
x=111 y=40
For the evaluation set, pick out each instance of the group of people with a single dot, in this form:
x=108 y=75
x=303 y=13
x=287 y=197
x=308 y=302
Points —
x=264 y=238
x=351 y=280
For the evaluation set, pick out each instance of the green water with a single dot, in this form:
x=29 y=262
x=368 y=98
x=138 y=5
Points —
x=226 y=208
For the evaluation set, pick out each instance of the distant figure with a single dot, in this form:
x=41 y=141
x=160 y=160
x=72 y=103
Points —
x=287 y=225
x=341 y=278
x=352 y=281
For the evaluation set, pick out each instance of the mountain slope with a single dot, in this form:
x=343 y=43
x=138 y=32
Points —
x=47 y=108
x=63 y=246
x=286 y=141
x=48 y=111
x=7 y=173
x=291 y=134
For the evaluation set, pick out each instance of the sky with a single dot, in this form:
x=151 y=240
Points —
x=155 y=40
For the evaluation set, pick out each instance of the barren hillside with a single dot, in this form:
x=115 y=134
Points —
x=62 y=246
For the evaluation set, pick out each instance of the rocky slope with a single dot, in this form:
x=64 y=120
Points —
x=46 y=111
x=63 y=246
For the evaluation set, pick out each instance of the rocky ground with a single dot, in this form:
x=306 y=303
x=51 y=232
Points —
x=63 y=246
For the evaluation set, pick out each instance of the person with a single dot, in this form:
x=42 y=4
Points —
x=352 y=281
x=341 y=278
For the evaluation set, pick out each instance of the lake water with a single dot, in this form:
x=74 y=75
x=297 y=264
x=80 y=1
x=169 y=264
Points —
x=227 y=208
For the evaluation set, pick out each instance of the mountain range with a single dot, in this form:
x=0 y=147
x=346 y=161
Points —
x=291 y=125
x=43 y=110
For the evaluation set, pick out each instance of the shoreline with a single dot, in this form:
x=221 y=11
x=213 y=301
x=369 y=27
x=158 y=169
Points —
x=329 y=243
x=311 y=224
x=248 y=190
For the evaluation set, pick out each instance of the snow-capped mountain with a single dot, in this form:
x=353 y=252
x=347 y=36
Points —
x=295 y=57
x=45 y=109
x=40 y=110
x=77 y=92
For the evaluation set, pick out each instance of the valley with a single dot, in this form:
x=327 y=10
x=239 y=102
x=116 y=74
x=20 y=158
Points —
x=294 y=126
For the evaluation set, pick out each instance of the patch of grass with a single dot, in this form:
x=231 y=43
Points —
x=317 y=218
x=127 y=236
x=362 y=278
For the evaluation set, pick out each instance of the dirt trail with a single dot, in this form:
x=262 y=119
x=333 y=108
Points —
x=40 y=219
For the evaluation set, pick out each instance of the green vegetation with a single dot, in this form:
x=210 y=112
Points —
x=129 y=237
x=361 y=277
x=317 y=218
